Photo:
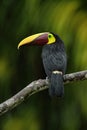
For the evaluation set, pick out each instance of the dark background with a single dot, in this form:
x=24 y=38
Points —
x=19 y=19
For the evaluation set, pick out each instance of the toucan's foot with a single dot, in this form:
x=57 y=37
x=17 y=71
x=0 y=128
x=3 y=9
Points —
x=47 y=79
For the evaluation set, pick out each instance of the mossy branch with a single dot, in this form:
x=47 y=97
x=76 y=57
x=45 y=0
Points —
x=36 y=86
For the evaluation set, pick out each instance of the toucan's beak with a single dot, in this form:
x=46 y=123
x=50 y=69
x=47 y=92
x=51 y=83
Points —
x=36 y=39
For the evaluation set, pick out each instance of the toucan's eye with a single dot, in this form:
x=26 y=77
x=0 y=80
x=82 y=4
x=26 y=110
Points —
x=50 y=36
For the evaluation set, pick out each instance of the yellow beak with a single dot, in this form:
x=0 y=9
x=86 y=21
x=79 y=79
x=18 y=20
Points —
x=39 y=39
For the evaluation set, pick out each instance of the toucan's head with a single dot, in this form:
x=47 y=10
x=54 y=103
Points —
x=39 y=39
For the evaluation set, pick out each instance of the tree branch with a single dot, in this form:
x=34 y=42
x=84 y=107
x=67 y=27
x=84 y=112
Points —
x=36 y=86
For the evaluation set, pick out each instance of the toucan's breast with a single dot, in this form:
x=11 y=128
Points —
x=54 y=58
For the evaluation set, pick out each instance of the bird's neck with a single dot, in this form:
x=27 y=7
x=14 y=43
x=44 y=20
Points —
x=57 y=46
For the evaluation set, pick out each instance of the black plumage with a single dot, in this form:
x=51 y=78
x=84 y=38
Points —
x=55 y=61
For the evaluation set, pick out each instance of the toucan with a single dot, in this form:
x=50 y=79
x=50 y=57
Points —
x=54 y=59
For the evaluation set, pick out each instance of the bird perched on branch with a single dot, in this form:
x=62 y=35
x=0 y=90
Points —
x=54 y=59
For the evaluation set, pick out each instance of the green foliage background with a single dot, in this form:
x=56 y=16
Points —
x=19 y=19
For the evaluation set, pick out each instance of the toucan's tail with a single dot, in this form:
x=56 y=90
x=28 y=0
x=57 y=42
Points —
x=56 y=87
